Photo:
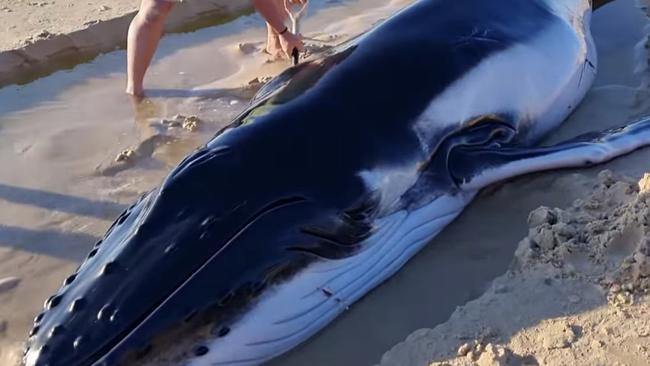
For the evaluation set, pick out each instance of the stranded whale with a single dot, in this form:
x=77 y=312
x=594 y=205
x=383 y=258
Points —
x=341 y=169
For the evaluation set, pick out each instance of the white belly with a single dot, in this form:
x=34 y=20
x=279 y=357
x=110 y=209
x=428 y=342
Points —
x=290 y=313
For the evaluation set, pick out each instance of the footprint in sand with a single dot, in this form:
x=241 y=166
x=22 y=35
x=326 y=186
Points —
x=248 y=48
x=8 y=284
x=251 y=48
x=164 y=134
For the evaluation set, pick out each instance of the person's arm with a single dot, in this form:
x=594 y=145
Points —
x=269 y=11
x=288 y=40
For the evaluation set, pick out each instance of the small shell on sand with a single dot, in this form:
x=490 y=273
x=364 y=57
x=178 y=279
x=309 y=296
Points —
x=8 y=283
x=191 y=123
x=644 y=184
x=464 y=349
x=247 y=48
x=620 y=299
x=125 y=155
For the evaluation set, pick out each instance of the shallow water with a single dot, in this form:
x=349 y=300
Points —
x=59 y=192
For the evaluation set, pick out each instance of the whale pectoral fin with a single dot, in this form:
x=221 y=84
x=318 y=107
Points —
x=476 y=167
x=340 y=235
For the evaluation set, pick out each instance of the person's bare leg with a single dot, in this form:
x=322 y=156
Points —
x=273 y=46
x=143 y=37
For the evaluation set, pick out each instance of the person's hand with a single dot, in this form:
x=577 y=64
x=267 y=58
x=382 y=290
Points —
x=290 y=41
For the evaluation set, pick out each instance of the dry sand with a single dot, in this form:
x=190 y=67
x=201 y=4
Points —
x=61 y=187
x=41 y=36
x=24 y=21
x=577 y=292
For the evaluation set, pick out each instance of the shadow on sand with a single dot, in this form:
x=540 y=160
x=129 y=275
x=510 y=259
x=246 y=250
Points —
x=64 y=245
x=61 y=202
x=52 y=242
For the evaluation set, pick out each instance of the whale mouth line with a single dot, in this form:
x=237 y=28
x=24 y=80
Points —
x=111 y=345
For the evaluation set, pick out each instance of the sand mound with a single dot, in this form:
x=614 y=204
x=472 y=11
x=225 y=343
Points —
x=575 y=294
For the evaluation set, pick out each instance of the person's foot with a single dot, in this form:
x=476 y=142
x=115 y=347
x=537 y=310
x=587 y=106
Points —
x=273 y=47
x=134 y=92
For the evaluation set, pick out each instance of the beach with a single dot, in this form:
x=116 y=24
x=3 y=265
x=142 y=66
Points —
x=76 y=152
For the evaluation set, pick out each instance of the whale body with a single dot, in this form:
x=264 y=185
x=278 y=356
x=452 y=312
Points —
x=339 y=171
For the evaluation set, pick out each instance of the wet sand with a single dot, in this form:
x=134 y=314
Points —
x=67 y=129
